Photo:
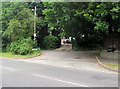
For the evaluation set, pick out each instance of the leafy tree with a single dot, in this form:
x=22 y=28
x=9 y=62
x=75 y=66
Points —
x=9 y=11
x=104 y=15
x=92 y=19
x=21 y=27
x=17 y=27
x=13 y=31
x=41 y=25
x=86 y=22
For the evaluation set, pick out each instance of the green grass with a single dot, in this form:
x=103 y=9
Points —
x=115 y=66
x=12 y=55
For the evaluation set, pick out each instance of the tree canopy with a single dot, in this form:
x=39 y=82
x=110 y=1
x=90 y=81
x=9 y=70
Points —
x=86 y=22
x=82 y=16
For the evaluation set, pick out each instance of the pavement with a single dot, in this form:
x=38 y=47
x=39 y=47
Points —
x=102 y=60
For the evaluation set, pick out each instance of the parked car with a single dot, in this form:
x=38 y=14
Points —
x=67 y=41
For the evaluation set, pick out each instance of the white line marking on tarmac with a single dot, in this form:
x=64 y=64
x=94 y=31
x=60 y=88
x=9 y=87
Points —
x=76 y=84
x=7 y=68
x=68 y=67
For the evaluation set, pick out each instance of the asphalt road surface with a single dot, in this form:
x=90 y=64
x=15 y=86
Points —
x=22 y=74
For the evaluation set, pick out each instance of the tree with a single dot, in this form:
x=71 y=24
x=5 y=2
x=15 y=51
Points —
x=9 y=11
x=21 y=27
x=104 y=15
x=93 y=20
x=18 y=28
x=41 y=25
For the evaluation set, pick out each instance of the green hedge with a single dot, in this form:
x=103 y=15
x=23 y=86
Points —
x=50 y=42
x=23 y=46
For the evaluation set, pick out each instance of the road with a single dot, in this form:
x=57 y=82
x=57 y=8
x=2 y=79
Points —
x=24 y=74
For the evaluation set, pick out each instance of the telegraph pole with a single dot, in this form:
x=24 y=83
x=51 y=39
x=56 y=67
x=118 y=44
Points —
x=35 y=23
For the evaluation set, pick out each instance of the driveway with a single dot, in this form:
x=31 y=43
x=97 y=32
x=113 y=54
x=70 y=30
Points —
x=84 y=60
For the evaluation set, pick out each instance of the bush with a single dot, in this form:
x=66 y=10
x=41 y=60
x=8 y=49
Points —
x=34 y=44
x=23 y=46
x=90 y=43
x=50 y=42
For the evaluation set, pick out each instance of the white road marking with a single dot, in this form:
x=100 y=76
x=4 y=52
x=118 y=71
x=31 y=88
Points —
x=76 y=84
x=69 y=67
x=7 y=68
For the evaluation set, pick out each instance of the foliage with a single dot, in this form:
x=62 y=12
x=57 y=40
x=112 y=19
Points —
x=115 y=66
x=50 y=42
x=9 y=14
x=78 y=18
x=20 y=27
x=13 y=31
x=41 y=25
x=17 y=22
x=12 y=55
x=94 y=20
x=10 y=11
x=103 y=14
x=23 y=46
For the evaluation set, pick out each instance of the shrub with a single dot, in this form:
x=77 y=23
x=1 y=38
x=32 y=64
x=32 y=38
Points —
x=34 y=44
x=90 y=43
x=50 y=42
x=23 y=46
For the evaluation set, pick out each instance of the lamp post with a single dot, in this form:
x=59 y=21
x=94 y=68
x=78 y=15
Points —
x=34 y=22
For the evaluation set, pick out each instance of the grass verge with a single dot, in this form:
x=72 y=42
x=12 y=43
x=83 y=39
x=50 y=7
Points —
x=115 y=66
x=12 y=55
